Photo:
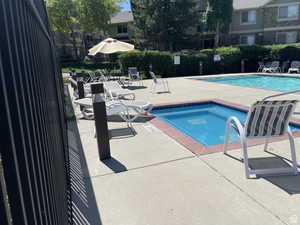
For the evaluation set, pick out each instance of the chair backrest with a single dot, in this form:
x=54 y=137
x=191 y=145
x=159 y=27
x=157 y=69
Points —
x=268 y=64
x=269 y=118
x=153 y=77
x=295 y=64
x=275 y=64
x=132 y=70
x=261 y=64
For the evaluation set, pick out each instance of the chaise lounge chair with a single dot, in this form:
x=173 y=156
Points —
x=113 y=90
x=124 y=108
x=265 y=119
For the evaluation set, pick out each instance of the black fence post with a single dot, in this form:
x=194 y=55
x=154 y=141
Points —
x=243 y=65
x=102 y=133
x=80 y=89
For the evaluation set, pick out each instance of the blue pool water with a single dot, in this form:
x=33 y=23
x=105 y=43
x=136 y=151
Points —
x=203 y=122
x=276 y=83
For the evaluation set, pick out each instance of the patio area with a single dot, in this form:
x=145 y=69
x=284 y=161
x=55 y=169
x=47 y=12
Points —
x=153 y=180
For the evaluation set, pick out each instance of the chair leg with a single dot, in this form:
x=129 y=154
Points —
x=266 y=144
x=168 y=86
x=245 y=154
x=293 y=152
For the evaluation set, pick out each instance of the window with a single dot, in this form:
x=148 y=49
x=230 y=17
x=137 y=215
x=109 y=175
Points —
x=248 y=17
x=122 y=28
x=288 y=12
x=287 y=37
x=247 y=39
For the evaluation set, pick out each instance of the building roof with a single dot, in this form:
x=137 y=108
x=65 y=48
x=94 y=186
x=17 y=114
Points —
x=122 y=17
x=248 y=4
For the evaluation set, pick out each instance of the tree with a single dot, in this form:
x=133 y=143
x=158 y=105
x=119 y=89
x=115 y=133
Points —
x=89 y=16
x=163 y=24
x=62 y=16
x=218 y=17
x=94 y=16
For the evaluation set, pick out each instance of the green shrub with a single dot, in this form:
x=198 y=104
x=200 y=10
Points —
x=231 y=59
x=161 y=62
x=289 y=53
x=253 y=54
x=284 y=52
x=90 y=66
x=132 y=59
x=163 y=65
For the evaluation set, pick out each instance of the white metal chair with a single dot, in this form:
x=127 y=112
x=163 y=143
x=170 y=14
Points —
x=134 y=75
x=260 y=66
x=265 y=119
x=159 y=82
x=114 y=90
x=295 y=67
x=272 y=67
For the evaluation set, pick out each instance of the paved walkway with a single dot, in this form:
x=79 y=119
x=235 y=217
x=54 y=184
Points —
x=153 y=180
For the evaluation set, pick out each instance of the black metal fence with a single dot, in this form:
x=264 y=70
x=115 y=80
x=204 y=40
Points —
x=34 y=164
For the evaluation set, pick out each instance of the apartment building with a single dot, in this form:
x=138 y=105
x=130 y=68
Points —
x=120 y=26
x=265 y=22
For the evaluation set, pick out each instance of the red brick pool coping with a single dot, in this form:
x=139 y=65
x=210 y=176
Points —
x=196 y=147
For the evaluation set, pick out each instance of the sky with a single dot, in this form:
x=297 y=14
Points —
x=125 y=5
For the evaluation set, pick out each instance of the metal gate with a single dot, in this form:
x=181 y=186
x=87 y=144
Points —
x=34 y=164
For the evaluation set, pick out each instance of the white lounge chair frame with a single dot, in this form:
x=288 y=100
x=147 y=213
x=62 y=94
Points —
x=159 y=82
x=114 y=91
x=246 y=132
x=139 y=107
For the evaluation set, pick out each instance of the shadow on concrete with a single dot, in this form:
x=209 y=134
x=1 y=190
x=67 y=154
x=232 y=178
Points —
x=132 y=88
x=287 y=182
x=120 y=133
x=163 y=92
x=114 y=165
x=140 y=119
x=85 y=210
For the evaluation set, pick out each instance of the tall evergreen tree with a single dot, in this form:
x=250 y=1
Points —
x=218 y=17
x=163 y=24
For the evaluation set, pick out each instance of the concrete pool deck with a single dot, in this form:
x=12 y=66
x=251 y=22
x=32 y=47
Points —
x=152 y=179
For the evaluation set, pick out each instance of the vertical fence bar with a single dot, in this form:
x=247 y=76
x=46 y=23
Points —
x=35 y=183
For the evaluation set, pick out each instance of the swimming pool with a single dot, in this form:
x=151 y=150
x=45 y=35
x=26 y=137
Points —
x=203 y=122
x=276 y=83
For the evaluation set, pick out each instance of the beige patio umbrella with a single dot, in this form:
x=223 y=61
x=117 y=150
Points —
x=109 y=46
